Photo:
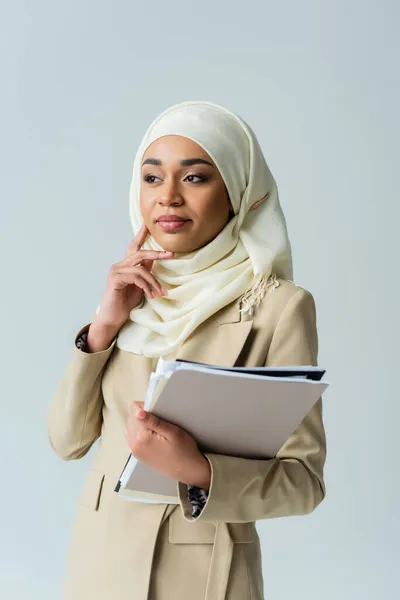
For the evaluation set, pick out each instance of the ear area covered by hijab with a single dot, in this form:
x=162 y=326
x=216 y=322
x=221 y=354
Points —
x=242 y=261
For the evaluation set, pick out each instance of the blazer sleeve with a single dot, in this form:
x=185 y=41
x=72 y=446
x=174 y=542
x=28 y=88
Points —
x=74 y=416
x=292 y=482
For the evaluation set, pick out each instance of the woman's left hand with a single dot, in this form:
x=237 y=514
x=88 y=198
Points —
x=166 y=447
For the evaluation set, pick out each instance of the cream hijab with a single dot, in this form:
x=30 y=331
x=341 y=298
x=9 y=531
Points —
x=239 y=262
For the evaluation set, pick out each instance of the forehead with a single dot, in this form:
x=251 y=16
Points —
x=175 y=147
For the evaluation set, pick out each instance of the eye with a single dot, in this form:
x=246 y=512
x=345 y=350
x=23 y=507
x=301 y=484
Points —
x=148 y=178
x=151 y=178
x=201 y=177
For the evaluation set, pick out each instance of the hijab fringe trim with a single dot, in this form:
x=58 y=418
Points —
x=253 y=296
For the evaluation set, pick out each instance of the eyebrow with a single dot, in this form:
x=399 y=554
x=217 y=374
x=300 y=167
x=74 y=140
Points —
x=186 y=162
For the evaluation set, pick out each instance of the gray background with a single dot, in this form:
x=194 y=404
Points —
x=318 y=82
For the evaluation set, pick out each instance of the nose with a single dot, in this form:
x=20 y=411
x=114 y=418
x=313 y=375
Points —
x=169 y=195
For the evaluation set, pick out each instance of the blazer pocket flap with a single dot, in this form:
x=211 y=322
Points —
x=182 y=531
x=91 y=492
x=243 y=533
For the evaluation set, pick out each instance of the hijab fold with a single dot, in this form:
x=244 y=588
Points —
x=239 y=263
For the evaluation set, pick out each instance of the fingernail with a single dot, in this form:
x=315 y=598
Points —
x=140 y=414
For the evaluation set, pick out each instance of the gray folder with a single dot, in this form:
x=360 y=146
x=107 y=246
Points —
x=234 y=412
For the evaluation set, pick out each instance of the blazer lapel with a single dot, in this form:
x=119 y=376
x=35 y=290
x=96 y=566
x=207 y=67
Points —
x=219 y=340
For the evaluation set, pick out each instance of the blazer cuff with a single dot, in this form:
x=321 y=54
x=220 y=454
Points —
x=192 y=499
x=230 y=486
x=197 y=497
x=81 y=341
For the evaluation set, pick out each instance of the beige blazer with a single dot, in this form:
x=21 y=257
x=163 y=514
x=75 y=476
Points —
x=127 y=550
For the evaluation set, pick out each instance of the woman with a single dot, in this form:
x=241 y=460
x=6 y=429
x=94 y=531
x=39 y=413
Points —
x=207 y=277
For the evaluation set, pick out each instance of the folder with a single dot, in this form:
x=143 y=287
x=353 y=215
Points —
x=247 y=412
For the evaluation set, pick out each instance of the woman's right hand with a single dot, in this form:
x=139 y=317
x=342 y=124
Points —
x=128 y=280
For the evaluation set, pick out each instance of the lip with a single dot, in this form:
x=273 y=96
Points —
x=168 y=218
x=172 y=225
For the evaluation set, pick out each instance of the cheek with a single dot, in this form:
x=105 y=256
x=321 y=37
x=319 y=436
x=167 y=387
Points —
x=215 y=207
x=145 y=208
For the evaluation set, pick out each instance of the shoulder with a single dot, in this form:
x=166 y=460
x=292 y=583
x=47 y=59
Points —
x=285 y=297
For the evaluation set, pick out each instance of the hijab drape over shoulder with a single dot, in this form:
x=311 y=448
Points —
x=239 y=262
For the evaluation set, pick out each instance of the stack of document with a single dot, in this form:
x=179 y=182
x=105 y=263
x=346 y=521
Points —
x=247 y=412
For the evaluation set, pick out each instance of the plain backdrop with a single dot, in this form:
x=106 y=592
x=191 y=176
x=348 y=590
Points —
x=318 y=81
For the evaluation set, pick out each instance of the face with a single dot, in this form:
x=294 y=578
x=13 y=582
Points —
x=183 y=198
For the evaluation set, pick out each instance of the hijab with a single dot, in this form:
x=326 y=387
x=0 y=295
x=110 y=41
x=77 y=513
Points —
x=239 y=262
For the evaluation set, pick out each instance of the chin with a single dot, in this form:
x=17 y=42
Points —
x=172 y=243
x=175 y=246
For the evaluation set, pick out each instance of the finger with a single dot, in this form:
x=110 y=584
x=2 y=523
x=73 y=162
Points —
x=141 y=271
x=133 y=414
x=136 y=271
x=143 y=285
x=138 y=256
x=148 y=264
x=135 y=405
x=138 y=240
x=154 y=423
x=134 y=278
